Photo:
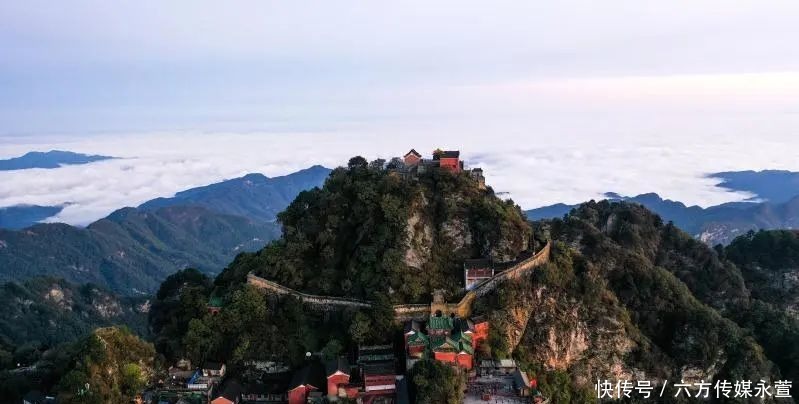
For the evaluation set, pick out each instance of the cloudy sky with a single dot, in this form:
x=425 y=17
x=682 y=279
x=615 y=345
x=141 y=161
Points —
x=559 y=101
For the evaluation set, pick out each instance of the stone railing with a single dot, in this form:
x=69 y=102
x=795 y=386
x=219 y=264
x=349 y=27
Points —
x=404 y=312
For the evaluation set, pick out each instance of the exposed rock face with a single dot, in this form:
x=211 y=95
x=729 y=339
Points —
x=62 y=311
x=565 y=339
x=457 y=231
x=107 y=306
x=420 y=238
x=144 y=307
x=695 y=374
x=56 y=295
x=559 y=332
x=435 y=222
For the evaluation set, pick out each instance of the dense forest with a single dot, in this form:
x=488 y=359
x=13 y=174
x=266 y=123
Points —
x=44 y=312
x=370 y=231
x=624 y=296
x=133 y=249
x=627 y=296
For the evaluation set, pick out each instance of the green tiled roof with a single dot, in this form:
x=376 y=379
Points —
x=440 y=323
x=215 y=301
x=466 y=347
x=418 y=339
x=444 y=343
x=462 y=336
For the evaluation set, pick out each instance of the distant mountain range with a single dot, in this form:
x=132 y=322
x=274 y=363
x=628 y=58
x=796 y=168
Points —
x=774 y=205
x=714 y=225
x=133 y=249
x=21 y=216
x=51 y=159
x=253 y=196
x=775 y=186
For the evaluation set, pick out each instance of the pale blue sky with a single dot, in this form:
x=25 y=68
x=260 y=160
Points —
x=78 y=66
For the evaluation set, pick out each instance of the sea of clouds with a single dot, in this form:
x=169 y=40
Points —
x=558 y=102
x=536 y=166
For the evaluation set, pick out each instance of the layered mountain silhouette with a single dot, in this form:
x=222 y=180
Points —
x=253 y=196
x=21 y=216
x=776 y=186
x=51 y=159
x=714 y=225
x=133 y=249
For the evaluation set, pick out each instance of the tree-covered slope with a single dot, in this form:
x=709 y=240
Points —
x=368 y=233
x=253 y=196
x=371 y=230
x=21 y=216
x=713 y=225
x=134 y=249
x=110 y=365
x=43 y=312
x=131 y=251
x=627 y=296
x=769 y=261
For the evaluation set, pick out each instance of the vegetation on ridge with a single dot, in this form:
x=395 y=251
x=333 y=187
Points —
x=369 y=230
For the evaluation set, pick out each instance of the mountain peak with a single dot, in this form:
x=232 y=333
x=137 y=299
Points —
x=253 y=178
x=254 y=196
x=50 y=159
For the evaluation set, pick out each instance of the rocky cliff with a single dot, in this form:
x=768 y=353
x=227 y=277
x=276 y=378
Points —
x=626 y=296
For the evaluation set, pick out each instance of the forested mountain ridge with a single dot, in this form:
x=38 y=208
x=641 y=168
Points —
x=769 y=262
x=21 y=216
x=133 y=249
x=253 y=196
x=130 y=251
x=44 y=312
x=370 y=230
x=369 y=233
x=713 y=225
x=627 y=296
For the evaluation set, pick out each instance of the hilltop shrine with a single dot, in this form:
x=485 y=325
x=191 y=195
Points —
x=413 y=164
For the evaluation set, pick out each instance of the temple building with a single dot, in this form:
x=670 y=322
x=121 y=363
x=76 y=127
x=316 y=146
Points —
x=413 y=163
x=475 y=271
x=449 y=160
x=412 y=158
x=448 y=339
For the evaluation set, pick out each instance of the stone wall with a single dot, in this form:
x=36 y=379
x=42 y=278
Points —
x=515 y=272
x=404 y=312
x=324 y=301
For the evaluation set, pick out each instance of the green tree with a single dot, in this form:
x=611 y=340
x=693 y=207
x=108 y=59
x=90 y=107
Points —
x=132 y=379
x=200 y=341
x=361 y=328
x=433 y=382
x=332 y=349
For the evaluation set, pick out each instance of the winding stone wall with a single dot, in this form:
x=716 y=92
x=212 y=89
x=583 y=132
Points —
x=325 y=301
x=405 y=312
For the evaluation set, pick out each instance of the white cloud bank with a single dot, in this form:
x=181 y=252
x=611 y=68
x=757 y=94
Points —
x=559 y=101
x=535 y=167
